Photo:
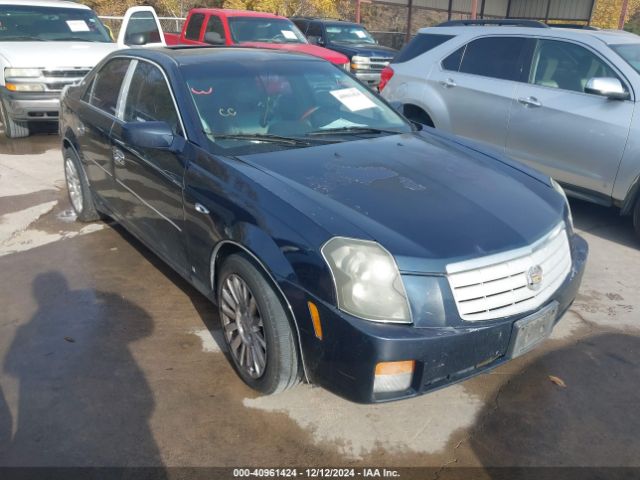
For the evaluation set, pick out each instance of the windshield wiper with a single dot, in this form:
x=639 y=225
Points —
x=353 y=129
x=259 y=137
x=23 y=38
x=73 y=39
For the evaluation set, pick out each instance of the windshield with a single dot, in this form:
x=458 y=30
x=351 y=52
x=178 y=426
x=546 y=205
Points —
x=270 y=30
x=27 y=23
x=304 y=102
x=349 y=34
x=630 y=52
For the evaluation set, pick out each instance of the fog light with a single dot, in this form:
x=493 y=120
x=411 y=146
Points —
x=393 y=376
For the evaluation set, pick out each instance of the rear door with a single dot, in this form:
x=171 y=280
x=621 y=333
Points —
x=97 y=113
x=477 y=83
x=193 y=29
x=575 y=137
x=151 y=180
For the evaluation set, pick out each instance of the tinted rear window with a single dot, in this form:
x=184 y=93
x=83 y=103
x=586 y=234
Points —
x=495 y=57
x=421 y=43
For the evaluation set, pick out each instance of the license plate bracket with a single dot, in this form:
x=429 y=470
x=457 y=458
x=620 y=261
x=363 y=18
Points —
x=528 y=332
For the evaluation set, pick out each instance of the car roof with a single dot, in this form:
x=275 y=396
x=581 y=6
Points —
x=606 y=36
x=45 y=3
x=235 y=13
x=189 y=55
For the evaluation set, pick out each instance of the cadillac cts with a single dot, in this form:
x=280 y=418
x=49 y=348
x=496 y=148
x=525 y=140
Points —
x=342 y=244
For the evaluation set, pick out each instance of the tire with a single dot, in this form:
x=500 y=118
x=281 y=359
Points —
x=636 y=217
x=266 y=318
x=12 y=129
x=80 y=195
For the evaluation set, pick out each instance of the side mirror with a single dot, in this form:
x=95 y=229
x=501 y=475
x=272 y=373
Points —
x=136 y=39
x=607 y=87
x=156 y=135
x=213 y=38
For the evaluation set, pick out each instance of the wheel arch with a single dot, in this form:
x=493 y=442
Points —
x=227 y=247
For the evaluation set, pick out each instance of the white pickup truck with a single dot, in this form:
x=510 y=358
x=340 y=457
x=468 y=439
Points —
x=44 y=46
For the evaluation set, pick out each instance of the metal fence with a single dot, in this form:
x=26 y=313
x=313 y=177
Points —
x=169 y=24
x=174 y=24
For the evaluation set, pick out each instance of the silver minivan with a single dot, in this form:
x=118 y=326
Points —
x=563 y=100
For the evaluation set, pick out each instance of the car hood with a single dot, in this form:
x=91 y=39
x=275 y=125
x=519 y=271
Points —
x=55 y=54
x=324 y=53
x=422 y=197
x=363 y=49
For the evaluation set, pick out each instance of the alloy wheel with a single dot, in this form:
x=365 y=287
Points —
x=73 y=185
x=243 y=326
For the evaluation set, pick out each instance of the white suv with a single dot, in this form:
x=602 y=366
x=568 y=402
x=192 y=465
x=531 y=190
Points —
x=562 y=100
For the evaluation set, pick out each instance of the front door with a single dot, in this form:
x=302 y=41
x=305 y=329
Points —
x=575 y=137
x=151 y=180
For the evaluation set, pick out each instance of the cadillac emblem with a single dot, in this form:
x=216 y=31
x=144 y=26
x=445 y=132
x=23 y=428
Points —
x=534 y=277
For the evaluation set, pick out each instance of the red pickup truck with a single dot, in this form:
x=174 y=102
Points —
x=215 y=26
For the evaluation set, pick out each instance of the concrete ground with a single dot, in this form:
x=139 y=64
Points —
x=108 y=358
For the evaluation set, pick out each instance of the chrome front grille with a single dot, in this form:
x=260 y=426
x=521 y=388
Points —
x=505 y=284
x=378 y=63
x=56 y=79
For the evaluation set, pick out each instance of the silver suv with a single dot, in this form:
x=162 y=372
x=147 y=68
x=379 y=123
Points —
x=562 y=100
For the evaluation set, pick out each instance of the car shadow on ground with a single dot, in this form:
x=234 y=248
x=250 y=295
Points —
x=83 y=400
x=604 y=222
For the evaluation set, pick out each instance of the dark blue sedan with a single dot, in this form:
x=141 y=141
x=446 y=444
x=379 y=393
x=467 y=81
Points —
x=343 y=245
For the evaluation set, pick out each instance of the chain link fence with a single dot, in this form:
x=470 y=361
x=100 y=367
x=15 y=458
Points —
x=174 y=24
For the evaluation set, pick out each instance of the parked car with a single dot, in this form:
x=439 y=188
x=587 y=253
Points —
x=44 y=46
x=216 y=26
x=366 y=57
x=561 y=100
x=341 y=244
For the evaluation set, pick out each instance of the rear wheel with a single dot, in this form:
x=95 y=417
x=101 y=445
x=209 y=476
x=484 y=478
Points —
x=78 y=188
x=256 y=327
x=12 y=129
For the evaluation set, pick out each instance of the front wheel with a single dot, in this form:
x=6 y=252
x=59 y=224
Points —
x=12 y=129
x=256 y=327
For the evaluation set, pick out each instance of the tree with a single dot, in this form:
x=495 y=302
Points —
x=606 y=13
x=289 y=8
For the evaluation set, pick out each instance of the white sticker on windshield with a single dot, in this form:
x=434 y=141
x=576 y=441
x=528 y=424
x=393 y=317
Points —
x=361 y=34
x=289 y=35
x=353 y=99
x=78 y=26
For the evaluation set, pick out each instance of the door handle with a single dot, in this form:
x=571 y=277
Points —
x=118 y=156
x=201 y=209
x=449 y=83
x=530 y=102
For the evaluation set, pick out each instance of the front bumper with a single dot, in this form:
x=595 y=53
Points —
x=22 y=106
x=370 y=78
x=344 y=360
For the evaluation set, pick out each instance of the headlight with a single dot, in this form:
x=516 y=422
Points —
x=22 y=72
x=558 y=188
x=367 y=280
x=25 y=87
x=360 y=63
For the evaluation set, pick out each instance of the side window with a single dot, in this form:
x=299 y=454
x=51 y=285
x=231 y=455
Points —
x=215 y=31
x=452 y=62
x=565 y=65
x=495 y=57
x=142 y=29
x=420 y=44
x=149 y=98
x=302 y=25
x=107 y=83
x=314 y=32
x=194 y=26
